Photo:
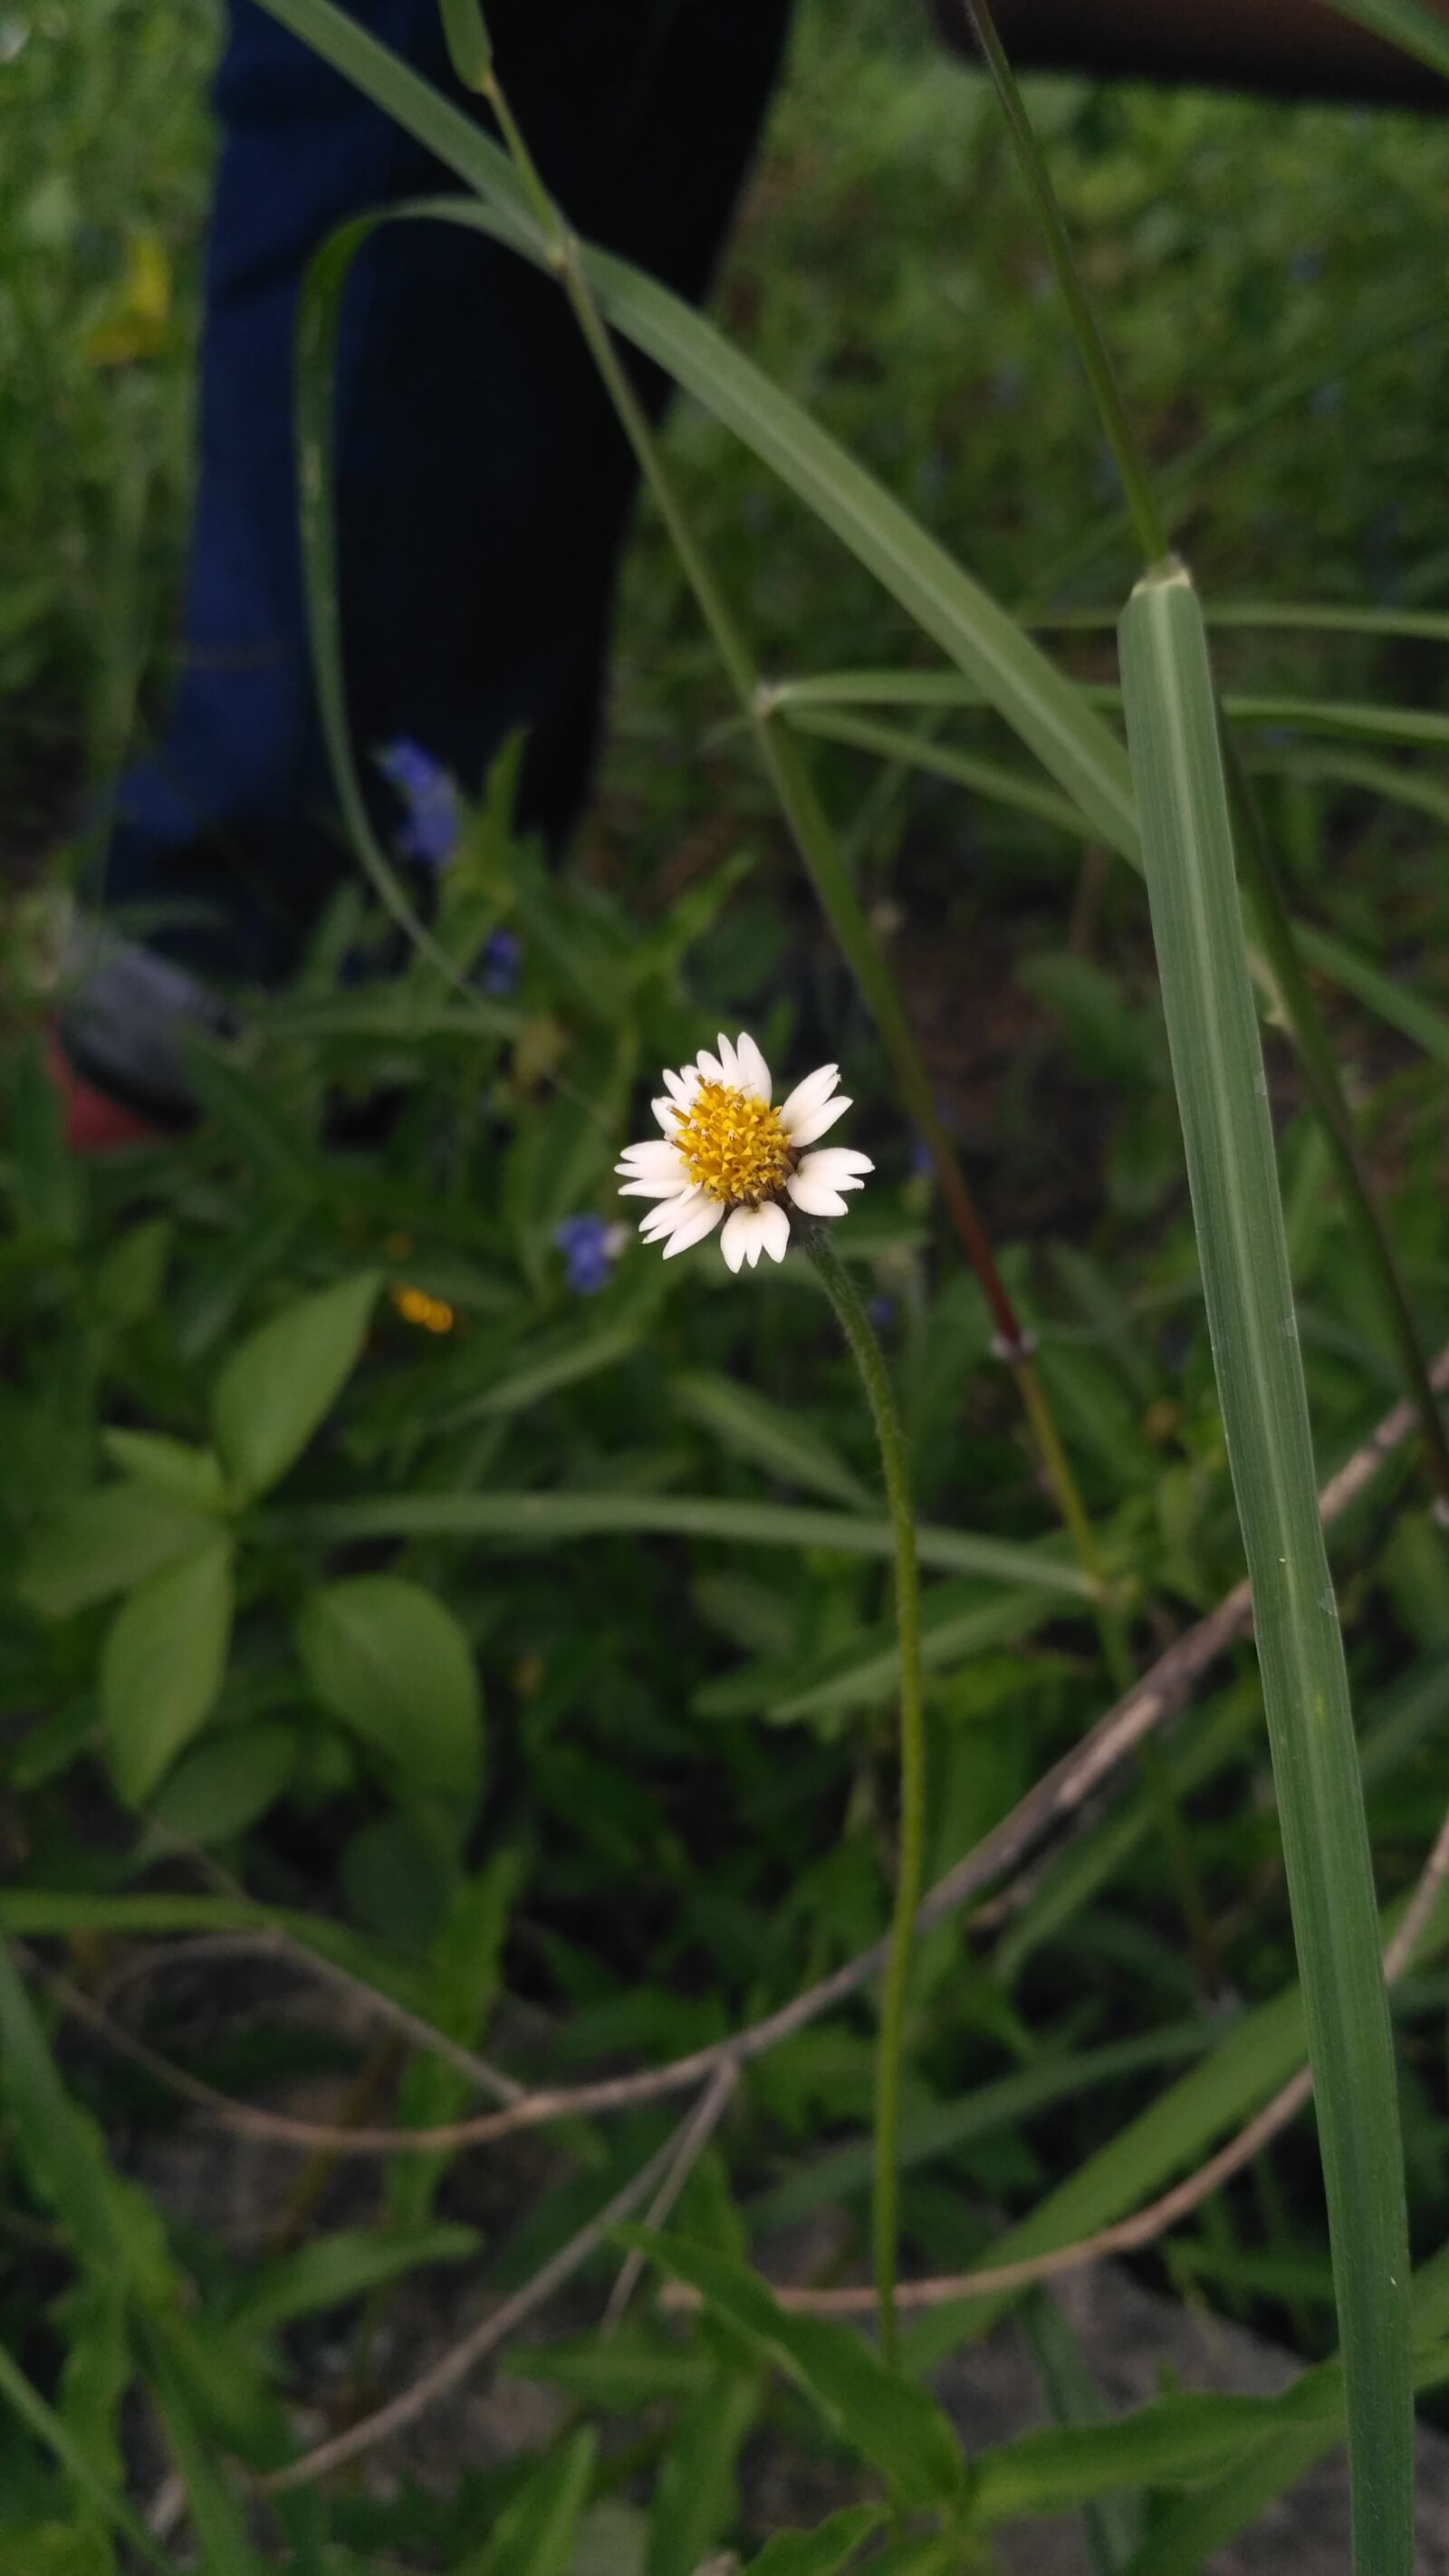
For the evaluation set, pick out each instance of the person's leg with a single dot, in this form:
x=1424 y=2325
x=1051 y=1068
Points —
x=483 y=487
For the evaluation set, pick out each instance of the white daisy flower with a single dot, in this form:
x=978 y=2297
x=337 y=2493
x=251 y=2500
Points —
x=725 y=1157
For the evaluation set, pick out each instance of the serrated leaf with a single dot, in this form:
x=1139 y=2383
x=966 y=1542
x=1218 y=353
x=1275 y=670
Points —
x=821 y=2552
x=391 y=1661
x=162 y=1665
x=694 y=2491
x=282 y=1383
x=332 y=2269
x=535 y=2532
x=894 y=2422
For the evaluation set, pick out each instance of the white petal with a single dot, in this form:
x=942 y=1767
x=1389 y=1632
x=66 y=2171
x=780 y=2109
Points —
x=655 y=1155
x=807 y=1095
x=814 y=1198
x=681 y=1086
x=739 y=1233
x=805 y=1130
x=839 y=1167
x=695 y=1227
x=710 y=1068
x=666 y=1187
x=754 y=1072
x=666 y=1113
x=728 y=1062
x=775 y=1234
x=670 y=1212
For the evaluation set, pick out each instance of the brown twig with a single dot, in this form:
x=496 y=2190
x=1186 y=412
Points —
x=692 y=2142
x=492 y=2330
x=1129 y=2235
x=1055 y=1798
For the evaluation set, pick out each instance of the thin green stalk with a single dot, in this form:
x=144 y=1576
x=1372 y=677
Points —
x=1271 y=913
x=910 y=1867
x=1174 y=739
x=1136 y=488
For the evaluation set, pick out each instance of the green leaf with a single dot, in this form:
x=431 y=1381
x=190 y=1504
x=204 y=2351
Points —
x=162 y=1665
x=175 y=1468
x=896 y=2424
x=1410 y=24
x=1172 y=2442
x=535 y=2532
x=284 y=1380
x=1222 y=1098
x=392 y=1661
x=624 y=2375
x=107 y=1542
x=466 y=36
x=821 y=2552
x=531 y=1519
x=52 y=2549
x=224 y=1783
x=43 y=2421
x=694 y=2493
x=48 y=1179
x=332 y=2269
x=62 y=2151
x=215 y=2513
x=769 y=1436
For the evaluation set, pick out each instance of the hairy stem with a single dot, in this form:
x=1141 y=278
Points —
x=866 y=1352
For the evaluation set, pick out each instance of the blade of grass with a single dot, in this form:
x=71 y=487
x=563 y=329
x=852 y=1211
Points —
x=1410 y=24
x=1045 y=708
x=1221 y=1087
x=941 y=760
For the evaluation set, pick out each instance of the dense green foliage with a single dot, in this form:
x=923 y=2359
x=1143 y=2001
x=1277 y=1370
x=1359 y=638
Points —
x=528 y=1654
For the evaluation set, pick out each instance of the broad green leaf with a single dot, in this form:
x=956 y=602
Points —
x=769 y=1436
x=189 y=1476
x=284 y=1380
x=332 y=2269
x=694 y=2493
x=162 y=1664
x=889 y=2418
x=535 y=2532
x=107 y=1542
x=821 y=2552
x=1222 y=1099
x=132 y=1272
x=533 y=1519
x=226 y=1781
x=391 y=1661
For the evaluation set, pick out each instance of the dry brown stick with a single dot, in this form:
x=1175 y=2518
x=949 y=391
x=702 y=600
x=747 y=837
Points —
x=1129 y=2235
x=492 y=2330
x=692 y=2143
x=1056 y=1796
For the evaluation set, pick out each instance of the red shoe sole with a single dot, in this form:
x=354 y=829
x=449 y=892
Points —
x=94 y=1123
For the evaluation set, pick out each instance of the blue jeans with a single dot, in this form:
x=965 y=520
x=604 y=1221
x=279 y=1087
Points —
x=483 y=487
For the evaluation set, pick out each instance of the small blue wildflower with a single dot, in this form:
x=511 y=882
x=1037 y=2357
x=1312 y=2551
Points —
x=497 y=968
x=430 y=793
x=882 y=1313
x=590 y=1248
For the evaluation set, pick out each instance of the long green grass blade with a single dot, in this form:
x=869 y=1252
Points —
x=1410 y=24
x=986 y=778
x=528 y=1519
x=1382 y=994
x=1221 y=1087
x=1042 y=706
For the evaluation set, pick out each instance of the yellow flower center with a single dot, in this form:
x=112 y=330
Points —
x=733 y=1145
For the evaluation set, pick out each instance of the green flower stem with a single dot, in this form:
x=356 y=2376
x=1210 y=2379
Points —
x=865 y=1350
x=1259 y=868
